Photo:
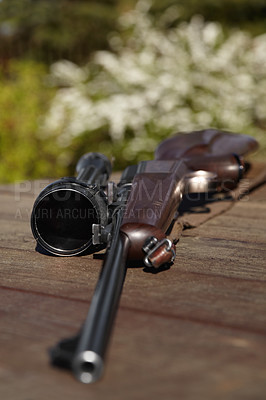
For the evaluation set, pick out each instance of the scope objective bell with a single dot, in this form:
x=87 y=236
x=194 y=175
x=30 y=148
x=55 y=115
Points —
x=63 y=215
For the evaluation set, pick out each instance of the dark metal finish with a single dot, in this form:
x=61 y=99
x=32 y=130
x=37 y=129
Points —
x=93 y=168
x=87 y=363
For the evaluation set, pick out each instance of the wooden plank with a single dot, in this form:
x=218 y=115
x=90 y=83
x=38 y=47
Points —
x=196 y=330
x=214 y=298
x=150 y=356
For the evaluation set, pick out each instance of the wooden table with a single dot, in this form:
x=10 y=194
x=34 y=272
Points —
x=194 y=331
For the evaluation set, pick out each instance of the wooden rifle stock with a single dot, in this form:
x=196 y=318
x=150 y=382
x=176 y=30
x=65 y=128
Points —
x=194 y=162
x=205 y=142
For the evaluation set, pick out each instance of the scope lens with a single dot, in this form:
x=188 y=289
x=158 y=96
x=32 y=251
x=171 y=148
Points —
x=63 y=220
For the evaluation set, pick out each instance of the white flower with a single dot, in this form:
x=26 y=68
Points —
x=67 y=73
x=156 y=81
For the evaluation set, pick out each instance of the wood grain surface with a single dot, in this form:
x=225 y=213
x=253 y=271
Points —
x=194 y=331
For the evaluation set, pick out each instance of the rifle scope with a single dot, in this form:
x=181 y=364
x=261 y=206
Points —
x=64 y=212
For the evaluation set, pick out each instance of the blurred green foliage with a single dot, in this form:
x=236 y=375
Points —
x=36 y=33
x=23 y=100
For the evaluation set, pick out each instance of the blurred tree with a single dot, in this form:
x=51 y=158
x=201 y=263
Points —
x=243 y=14
x=49 y=30
x=37 y=32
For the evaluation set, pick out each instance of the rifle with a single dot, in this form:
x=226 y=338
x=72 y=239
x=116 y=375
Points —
x=131 y=219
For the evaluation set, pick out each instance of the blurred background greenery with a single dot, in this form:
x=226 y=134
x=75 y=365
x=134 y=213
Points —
x=48 y=107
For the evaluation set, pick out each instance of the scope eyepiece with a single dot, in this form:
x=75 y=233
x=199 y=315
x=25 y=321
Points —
x=63 y=215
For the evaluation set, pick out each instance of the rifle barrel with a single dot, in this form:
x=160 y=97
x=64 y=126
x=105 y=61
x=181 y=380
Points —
x=88 y=360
